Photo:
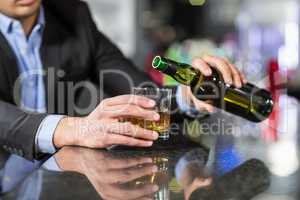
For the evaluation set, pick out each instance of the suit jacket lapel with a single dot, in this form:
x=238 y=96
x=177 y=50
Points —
x=9 y=65
x=51 y=58
x=51 y=45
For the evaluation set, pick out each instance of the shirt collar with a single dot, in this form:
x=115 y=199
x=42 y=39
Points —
x=41 y=19
x=6 y=21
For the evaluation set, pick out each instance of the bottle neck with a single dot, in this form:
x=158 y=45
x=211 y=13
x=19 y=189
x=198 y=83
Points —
x=164 y=65
x=159 y=63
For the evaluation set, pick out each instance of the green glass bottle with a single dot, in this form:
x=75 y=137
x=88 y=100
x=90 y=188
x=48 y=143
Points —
x=249 y=102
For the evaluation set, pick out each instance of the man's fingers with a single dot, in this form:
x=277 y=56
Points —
x=222 y=66
x=192 y=100
x=130 y=174
x=236 y=76
x=202 y=106
x=239 y=78
x=130 y=111
x=129 y=99
x=240 y=74
x=127 y=163
x=118 y=192
x=202 y=66
x=244 y=79
x=129 y=129
x=116 y=139
x=138 y=192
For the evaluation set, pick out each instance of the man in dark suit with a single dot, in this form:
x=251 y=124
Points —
x=46 y=46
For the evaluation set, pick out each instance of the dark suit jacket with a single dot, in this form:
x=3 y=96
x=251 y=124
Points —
x=71 y=43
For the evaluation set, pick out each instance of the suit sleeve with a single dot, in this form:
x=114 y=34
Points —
x=111 y=70
x=18 y=130
x=114 y=73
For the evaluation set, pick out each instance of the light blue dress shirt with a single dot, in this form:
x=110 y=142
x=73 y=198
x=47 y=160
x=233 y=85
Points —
x=183 y=105
x=27 y=52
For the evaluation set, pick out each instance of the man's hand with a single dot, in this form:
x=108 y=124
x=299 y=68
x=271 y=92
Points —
x=102 y=129
x=111 y=176
x=230 y=73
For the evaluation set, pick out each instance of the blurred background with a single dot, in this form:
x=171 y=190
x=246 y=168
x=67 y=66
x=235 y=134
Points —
x=261 y=37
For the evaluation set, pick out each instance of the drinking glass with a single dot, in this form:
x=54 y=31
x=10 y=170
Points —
x=162 y=97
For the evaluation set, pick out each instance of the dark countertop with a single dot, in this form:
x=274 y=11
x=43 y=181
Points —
x=230 y=160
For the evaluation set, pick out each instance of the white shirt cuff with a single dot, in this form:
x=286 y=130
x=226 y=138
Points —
x=46 y=130
x=52 y=165
x=181 y=102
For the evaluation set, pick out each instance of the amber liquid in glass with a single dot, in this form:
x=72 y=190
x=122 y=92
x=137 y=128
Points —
x=161 y=126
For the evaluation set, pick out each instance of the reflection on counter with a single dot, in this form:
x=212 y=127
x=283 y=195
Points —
x=163 y=175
